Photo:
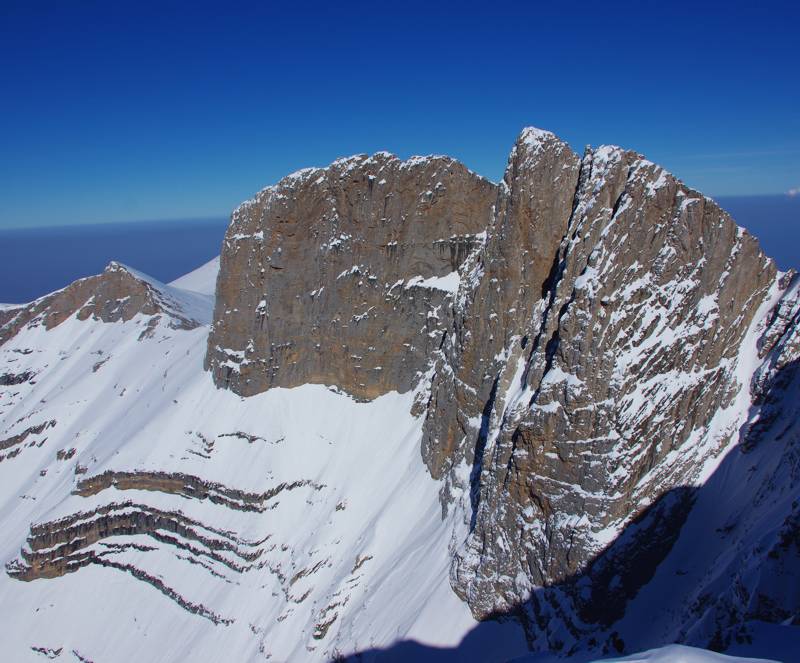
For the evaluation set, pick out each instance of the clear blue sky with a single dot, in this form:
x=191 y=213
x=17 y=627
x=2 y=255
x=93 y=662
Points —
x=114 y=111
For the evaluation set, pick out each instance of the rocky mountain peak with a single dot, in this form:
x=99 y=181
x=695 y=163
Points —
x=560 y=401
x=573 y=332
x=119 y=293
x=531 y=145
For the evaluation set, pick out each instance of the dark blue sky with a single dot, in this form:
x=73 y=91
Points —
x=121 y=111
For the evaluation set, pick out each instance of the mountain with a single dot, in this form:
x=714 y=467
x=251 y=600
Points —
x=411 y=413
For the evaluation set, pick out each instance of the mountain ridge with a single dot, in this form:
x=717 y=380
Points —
x=558 y=367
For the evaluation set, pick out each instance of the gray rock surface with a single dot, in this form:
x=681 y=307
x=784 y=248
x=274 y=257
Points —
x=603 y=377
x=587 y=352
x=634 y=352
x=341 y=275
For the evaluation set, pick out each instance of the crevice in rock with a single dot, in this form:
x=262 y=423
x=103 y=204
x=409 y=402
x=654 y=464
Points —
x=480 y=447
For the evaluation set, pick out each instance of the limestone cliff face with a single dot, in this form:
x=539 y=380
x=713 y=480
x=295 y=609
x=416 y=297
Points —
x=343 y=275
x=496 y=315
x=599 y=371
x=622 y=392
x=579 y=335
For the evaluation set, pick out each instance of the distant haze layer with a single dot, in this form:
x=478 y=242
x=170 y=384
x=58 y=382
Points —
x=36 y=261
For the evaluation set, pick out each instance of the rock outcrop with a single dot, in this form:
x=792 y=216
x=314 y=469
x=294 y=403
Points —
x=118 y=294
x=568 y=397
x=578 y=333
x=343 y=275
x=622 y=394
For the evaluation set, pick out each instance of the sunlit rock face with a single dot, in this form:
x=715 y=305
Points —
x=576 y=332
x=630 y=384
x=345 y=275
x=417 y=398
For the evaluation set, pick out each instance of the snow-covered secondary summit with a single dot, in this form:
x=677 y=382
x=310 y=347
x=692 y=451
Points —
x=554 y=416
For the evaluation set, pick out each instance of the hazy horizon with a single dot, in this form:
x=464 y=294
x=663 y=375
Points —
x=167 y=249
x=789 y=197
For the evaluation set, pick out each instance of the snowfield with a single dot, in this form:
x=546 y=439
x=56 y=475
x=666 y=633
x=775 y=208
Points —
x=294 y=525
x=682 y=654
x=334 y=553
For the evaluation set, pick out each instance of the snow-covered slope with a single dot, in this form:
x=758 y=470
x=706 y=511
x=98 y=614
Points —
x=202 y=280
x=682 y=654
x=285 y=455
x=207 y=526
x=174 y=520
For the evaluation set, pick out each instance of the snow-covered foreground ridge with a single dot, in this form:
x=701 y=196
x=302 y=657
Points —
x=404 y=400
x=681 y=654
x=207 y=526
